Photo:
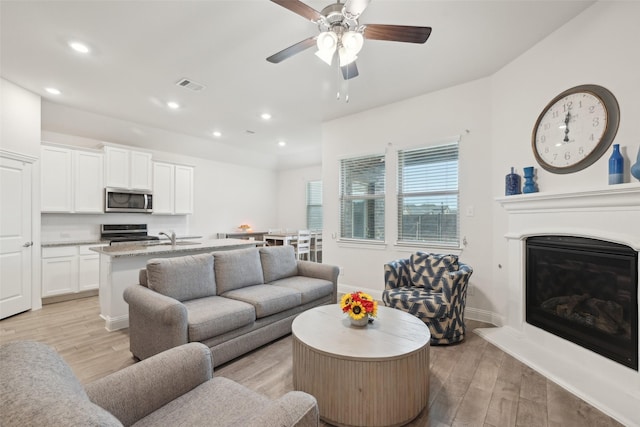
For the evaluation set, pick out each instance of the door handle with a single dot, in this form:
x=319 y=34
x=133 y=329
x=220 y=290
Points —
x=26 y=245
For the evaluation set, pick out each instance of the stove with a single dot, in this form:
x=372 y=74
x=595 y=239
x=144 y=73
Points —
x=125 y=233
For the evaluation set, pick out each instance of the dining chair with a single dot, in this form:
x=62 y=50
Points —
x=316 y=247
x=303 y=244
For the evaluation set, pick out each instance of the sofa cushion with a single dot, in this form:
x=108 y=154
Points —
x=38 y=388
x=183 y=278
x=237 y=269
x=430 y=270
x=219 y=401
x=213 y=316
x=310 y=288
x=278 y=262
x=266 y=299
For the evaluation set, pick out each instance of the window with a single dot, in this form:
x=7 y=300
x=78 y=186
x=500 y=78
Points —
x=428 y=195
x=362 y=182
x=314 y=205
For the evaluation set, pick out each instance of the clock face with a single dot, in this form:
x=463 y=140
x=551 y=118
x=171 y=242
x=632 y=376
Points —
x=575 y=129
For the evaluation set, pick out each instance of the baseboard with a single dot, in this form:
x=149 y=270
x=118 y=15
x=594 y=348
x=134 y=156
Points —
x=115 y=323
x=483 y=316
x=68 y=297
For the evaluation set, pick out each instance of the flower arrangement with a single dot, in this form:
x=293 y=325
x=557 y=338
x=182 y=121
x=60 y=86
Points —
x=245 y=227
x=359 y=305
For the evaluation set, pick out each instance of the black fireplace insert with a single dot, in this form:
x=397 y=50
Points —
x=585 y=291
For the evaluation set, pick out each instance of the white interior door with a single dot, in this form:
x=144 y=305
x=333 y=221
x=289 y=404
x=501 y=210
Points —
x=15 y=237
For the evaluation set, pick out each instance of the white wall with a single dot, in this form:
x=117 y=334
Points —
x=20 y=133
x=600 y=46
x=19 y=119
x=225 y=196
x=292 y=196
x=461 y=110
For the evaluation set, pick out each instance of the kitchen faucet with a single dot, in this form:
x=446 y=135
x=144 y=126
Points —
x=172 y=237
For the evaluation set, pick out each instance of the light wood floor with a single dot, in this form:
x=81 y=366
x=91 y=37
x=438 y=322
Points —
x=472 y=383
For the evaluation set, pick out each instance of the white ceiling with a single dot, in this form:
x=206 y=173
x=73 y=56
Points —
x=140 y=49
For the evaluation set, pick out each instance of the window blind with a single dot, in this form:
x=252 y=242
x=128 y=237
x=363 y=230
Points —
x=428 y=195
x=362 y=190
x=314 y=205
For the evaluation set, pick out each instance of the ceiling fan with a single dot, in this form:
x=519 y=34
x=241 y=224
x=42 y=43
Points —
x=341 y=33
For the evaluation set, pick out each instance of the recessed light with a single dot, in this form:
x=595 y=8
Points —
x=79 y=47
x=217 y=134
x=281 y=143
x=173 y=105
x=265 y=116
x=53 y=91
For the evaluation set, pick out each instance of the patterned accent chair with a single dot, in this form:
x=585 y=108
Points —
x=433 y=288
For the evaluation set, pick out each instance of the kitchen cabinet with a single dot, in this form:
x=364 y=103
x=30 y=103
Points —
x=172 y=189
x=72 y=180
x=128 y=168
x=56 y=184
x=69 y=270
x=88 y=194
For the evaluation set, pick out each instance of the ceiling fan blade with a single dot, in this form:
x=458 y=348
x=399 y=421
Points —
x=349 y=71
x=292 y=50
x=353 y=8
x=397 y=33
x=300 y=8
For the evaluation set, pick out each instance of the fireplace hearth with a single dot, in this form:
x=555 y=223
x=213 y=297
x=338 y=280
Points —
x=585 y=291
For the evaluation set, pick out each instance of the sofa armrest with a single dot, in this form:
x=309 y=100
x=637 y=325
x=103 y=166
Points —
x=396 y=274
x=320 y=271
x=138 y=390
x=294 y=409
x=156 y=322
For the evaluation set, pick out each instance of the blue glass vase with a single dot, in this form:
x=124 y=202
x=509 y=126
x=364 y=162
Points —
x=616 y=166
x=635 y=169
x=529 y=183
x=512 y=184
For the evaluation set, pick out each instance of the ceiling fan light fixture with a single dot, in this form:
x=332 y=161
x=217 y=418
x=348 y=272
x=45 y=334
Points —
x=346 y=57
x=352 y=41
x=327 y=43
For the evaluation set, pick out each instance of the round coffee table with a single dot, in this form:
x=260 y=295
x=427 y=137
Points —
x=377 y=375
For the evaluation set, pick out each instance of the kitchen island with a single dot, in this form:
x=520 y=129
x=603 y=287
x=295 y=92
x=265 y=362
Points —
x=120 y=266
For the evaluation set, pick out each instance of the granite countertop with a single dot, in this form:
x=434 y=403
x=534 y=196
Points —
x=96 y=241
x=163 y=247
x=60 y=243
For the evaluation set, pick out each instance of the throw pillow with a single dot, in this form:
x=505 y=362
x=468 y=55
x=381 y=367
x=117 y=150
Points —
x=429 y=270
x=278 y=262
x=183 y=278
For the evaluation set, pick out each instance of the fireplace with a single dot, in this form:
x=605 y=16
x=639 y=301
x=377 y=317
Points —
x=585 y=291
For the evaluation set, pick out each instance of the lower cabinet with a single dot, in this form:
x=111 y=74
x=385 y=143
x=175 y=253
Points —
x=69 y=270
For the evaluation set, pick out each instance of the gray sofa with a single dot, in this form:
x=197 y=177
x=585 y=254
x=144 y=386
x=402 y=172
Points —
x=176 y=387
x=232 y=301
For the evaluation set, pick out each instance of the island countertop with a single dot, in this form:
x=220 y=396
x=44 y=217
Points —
x=165 y=248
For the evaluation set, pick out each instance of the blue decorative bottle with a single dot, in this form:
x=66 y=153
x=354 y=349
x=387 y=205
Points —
x=616 y=166
x=529 y=183
x=512 y=184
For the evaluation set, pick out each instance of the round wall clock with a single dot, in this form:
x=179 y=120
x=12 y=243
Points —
x=575 y=129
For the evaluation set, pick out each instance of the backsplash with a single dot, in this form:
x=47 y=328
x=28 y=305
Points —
x=76 y=227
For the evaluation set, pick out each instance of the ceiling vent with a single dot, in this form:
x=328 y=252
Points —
x=190 y=84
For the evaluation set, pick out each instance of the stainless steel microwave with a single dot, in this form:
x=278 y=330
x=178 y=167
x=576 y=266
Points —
x=124 y=200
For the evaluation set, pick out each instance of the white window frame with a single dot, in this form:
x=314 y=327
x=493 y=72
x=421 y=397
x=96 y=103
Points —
x=445 y=188
x=355 y=166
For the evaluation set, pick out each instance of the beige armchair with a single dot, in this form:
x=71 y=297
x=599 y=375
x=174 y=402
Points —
x=172 y=388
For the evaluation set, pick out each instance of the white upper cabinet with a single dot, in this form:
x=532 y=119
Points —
x=127 y=168
x=56 y=181
x=172 y=189
x=163 y=188
x=89 y=184
x=72 y=180
x=183 y=190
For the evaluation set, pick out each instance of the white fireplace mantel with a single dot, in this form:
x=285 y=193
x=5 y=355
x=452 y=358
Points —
x=610 y=213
